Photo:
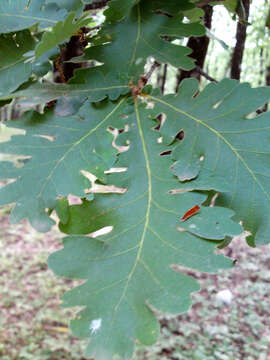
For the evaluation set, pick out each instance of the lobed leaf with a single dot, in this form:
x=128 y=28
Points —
x=143 y=246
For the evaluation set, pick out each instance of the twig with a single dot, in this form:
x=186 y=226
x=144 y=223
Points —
x=151 y=70
x=164 y=76
x=203 y=73
x=137 y=89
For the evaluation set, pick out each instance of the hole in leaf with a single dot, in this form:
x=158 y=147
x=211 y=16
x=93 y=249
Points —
x=116 y=170
x=216 y=105
x=160 y=119
x=116 y=132
x=213 y=200
x=166 y=153
x=103 y=231
x=178 y=191
x=105 y=189
x=47 y=137
x=180 y=136
x=74 y=200
x=7 y=132
x=17 y=160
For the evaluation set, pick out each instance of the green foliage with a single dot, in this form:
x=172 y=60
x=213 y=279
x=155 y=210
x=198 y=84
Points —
x=106 y=118
x=60 y=32
x=13 y=69
x=17 y=15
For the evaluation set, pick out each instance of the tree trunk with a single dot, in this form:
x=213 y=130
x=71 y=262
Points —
x=199 y=46
x=241 y=34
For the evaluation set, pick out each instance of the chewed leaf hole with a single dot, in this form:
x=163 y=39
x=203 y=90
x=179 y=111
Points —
x=216 y=105
x=17 y=160
x=166 y=153
x=47 y=137
x=95 y=325
x=213 y=200
x=74 y=200
x=103 y=231
x=105 y=189
x=116 y=170
x=178 y=191
x=180 y=136
x=160 y=119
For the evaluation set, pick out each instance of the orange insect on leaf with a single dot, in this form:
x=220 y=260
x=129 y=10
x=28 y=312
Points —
x=194 y=210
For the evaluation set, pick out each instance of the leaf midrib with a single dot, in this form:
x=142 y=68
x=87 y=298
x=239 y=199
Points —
x=147 y=215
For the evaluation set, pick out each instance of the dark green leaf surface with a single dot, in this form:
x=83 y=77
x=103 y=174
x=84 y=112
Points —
x=14 y=70
x=21 y=14
x=59 y=149
x=233 y=146
x=142 y=246
x=140 y=35
x=118 y=9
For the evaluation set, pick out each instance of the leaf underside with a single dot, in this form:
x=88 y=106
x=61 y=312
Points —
x=129 y=272
x=147 y=236
x=142 y=246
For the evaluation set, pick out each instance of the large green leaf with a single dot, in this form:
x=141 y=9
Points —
x=14 y=70
x=21 y=14
x=58 y=148
x=236 y=147
x=146 y=31
x=128 y=272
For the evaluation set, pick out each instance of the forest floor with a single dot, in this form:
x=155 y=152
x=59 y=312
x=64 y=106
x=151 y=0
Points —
x=33 y=325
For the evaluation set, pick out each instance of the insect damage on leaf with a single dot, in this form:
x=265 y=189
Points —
x=134 y=171
x=191 y=212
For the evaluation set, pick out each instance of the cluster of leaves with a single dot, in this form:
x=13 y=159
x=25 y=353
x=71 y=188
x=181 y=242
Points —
x=106 y=118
